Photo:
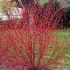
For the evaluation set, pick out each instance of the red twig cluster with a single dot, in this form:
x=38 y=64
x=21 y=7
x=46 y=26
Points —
x=37 y=24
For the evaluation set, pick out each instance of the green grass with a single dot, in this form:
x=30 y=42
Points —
x=61 y=45
x=62 y=38
x=65 y=36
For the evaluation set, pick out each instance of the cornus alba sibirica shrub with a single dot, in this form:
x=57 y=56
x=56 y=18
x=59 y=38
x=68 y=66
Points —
x=27 y=47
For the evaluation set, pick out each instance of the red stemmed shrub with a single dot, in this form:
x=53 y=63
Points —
x=24 y=48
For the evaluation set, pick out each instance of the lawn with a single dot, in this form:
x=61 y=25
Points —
x=64 y=40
